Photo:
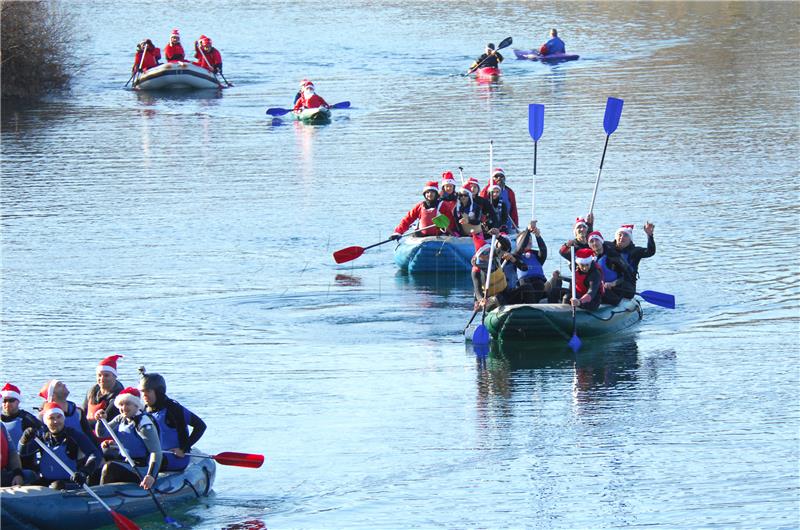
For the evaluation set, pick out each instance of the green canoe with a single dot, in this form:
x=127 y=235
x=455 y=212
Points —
x=554 y=321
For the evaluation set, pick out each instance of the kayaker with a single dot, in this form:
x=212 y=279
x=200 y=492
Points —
x=499 y=179
x=151 y=56
x=310 y=99
x=468 y=214
x=490 y=59
x=75 y=418
x=173 y=51
x=102 y=394
x=138 y=433
x=498 y=293
x=207 y=56
x=617 y=282
x=500 y=219
x=554 y=45
x=486 y=207
x=424 y=212
x=299 y=94
x=10 y=463
x=623 y=244
x=173 y=420
x=448 y=187
x=530 y=274
x=581 y=229
x=72 y=446
x=14 y=418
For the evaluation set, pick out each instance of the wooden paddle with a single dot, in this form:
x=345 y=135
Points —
x=122 y=522
x=535 y=128
x=505 y=43
x=230 y=458
x=167 y=519
x=610 y=122
x=275 y=111
x=350 y=253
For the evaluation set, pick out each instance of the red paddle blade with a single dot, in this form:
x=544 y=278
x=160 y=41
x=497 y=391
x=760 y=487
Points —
x=122 y=522
x=239 y=459
x=347 y=254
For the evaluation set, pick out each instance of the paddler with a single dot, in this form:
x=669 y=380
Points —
x=72 y=446
x=138 y=433
x=617 y=278
x=490 y=59
x=299 y=94
x=554 y=45
x=101 y=396
x=507 y=194
x=424 y=212
x=530 y=273
x=56 y=391
x=207 y=55
x=14 y=418
x=147 y=56
x=623 y=244
x=468 y=213
x=499 y=219
x=581 y=228
x=588 y=280
x=498 y=293
x=173 y=420
x=448 y=187
x=173 y=51
x=310 y=99
x=486 y=208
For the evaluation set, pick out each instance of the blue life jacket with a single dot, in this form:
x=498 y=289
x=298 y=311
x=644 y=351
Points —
x=608 y=274
x=555 y=45
x=72 y=418
x=531 y=259
x=14 y=429
x=130 y=438
x=169 y=438
x=510 y=271
x=49 y=468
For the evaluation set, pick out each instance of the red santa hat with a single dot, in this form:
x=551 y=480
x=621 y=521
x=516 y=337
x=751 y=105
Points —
x=596 y=235
x=205 y=40
x=51 y=408
x=498 y=171
x=10 y=391
x=431 y=185
x=447 y=178
x=494 y=187
x=109 y=364
x=129 y=394
x=48 y=389
x=584 y=256
x=625 y=229
x=175 y=33
x=472 y=181
x=580 y=221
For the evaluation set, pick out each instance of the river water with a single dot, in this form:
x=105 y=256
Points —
x=193 y=235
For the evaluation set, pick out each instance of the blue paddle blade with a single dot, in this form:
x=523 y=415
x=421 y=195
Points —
x=536 y=120
x=661 y=299
x=481 y=350
x=574 y=343
x=172 y=522
x=341 y=105
x=613 y=112
x=481 y=336
x=278 y=112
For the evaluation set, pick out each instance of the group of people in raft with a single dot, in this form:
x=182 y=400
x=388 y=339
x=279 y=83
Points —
x=157 y=432
x=148 y=55
x=492 y=58
x=605 y=271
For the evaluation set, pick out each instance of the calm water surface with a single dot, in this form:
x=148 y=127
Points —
x=194 y=236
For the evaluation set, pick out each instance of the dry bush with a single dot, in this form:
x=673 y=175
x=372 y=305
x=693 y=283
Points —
x=37 y=39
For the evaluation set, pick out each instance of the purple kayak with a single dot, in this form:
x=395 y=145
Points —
x=533 y=55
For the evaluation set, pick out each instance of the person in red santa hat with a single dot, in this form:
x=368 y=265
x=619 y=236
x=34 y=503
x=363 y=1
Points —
x=499 y=292
x=14 y=418
x=138 y=433
x=499 y=218
x=102 y=394
x=73 y=447
x=207 y=56
x=483 y=203
x=617 y=279
x=581 y=229
x=623 y=244
x=506 y=193
x=147 y=56
x=173 y=51
x=309 y=99
x=56 y=391
x=448 y=187
x=424 y=212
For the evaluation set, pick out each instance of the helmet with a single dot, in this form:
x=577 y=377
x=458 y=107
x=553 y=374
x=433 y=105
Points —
x=153 y=382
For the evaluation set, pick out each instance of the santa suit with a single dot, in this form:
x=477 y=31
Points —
x=425 y=212
x=312 y=102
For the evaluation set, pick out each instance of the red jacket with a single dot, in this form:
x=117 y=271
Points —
x=174 y=53
x=425 y=214
x=512 y=202
x=150 y=59
x=208 y=60
x=312 y=103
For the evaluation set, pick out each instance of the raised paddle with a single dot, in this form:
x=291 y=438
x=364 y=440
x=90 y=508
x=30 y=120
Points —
x=234 y=459
x=167 y=519
x=610 y=122
x=350 y=253
x=535 y=128
x=505 y=43
x=275 y=111
x=574 y=342
x=122 y=522
x=660 y=299
x=481 y=334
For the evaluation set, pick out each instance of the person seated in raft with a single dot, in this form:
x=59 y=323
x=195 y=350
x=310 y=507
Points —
x=10 y=463
x=147 y=56
x=531 y=282
x=424 y=212
x=448 y=187
x=299 y=94
x=72 y=446
x=173 y=420
x=499 y=218
x=581 y=229
x=75 y=418
x=14 y=418
x=309 y=99
x=474 y=186
x=468 y=213
x=173 y=51
x=623 y=244
x=510 y=265
x=138 y=433
x=554 y=45
x=207 y=56
x=498 y=293
x=490 y=59
x=101 y=396
x=617 y=278
x=588 y=283
x=506 y=193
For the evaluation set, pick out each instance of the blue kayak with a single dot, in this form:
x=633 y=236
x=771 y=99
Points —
x=533 y=55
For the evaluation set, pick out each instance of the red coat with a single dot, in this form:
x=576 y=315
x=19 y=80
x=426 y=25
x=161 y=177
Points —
x=174 y=53
x=312 y=103
x=425 y=214
x=512 y=202
x=208 y=60
x=150 y=59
